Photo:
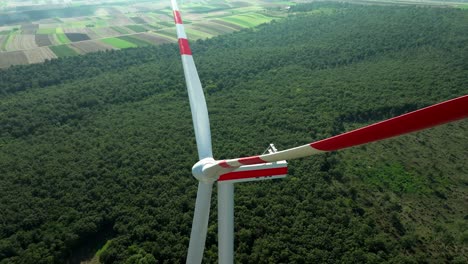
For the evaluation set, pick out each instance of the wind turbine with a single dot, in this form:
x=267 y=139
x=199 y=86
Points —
x=272 y=164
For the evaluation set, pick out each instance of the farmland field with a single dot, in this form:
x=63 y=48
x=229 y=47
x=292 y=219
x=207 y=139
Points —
x=2 y=39
x=165 y=24
x=63 y=51
x=22 y=42
x=74 y=37
x=45 y=31
x=61 y=37
x=196 y=34
x=119 y=43
x=107 y=32
x=121 y=30
x=6 y=42
x=29 y=28
x=138 y=20
x=169 y=33
x=137 y=41
x=211 y=28
x=227 y=24
x=51 y=25
x=91 y=46
x=153 y=38
x=86 y=31
x=39 y=55
x=43 y=40
x=248 y=20
x=12 y=58
x=137 y=28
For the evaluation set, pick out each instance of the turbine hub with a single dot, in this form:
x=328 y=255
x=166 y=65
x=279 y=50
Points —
x=200 y=172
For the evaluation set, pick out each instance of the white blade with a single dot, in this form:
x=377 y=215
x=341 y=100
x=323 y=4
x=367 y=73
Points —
x=201 y=123
x=430 y=116
x=200 y=223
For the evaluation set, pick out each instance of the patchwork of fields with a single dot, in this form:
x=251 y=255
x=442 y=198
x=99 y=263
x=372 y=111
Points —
x=82 y=29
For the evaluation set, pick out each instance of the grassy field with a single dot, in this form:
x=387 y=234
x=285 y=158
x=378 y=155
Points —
x=46 y=31
x=136 y=41
x=61 y=37
x=167 y=33
x=5 y=43
x=119 y=43
x=137 y=28
x=63 y=51
x=197 y=34
x=247 y=20
x=121 y=30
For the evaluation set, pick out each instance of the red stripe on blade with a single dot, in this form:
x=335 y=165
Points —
x=251 y=160
x=184 y=47
x=420 y=119
x=224 y=164
x=177 y=17
x=237 y=175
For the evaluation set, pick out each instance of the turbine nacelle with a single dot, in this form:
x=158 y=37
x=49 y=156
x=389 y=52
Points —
x=209 y=170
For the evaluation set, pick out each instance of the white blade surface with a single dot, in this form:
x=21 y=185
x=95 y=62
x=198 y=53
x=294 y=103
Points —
x=201 y=125
x=200 y=223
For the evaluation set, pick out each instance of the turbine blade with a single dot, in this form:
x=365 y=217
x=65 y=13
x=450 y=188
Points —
x=200 y=223
x=201 y=123
x=427 y=117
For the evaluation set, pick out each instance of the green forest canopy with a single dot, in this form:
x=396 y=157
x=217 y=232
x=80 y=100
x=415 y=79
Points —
x=98 y=148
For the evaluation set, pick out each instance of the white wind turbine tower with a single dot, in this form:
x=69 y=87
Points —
x=272 y=164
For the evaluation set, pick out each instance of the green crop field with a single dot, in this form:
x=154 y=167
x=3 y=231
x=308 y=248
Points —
x=121 y=30
x=136 y=41
x=168 y=33
x=46 y=31
x=247 y=9
x=63 y=51
x=100 y=22
x=61 y=37
x=248 y=19
x=77 y=24
x=6 y=41
x=196 y=34
x=119 y=43
x=137 y=28
x=155 y=27
x=166 y=24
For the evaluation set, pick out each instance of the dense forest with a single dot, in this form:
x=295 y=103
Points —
x=96 y=150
